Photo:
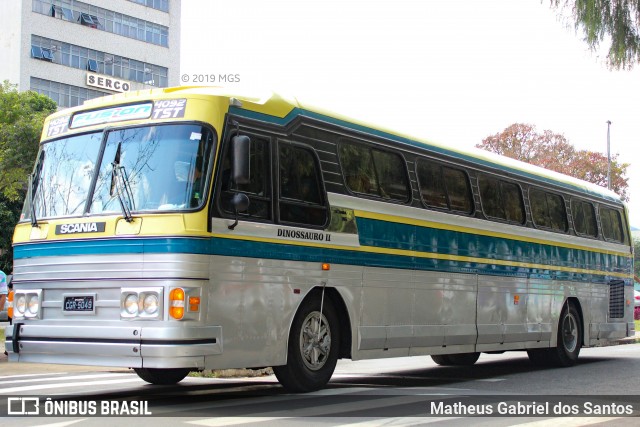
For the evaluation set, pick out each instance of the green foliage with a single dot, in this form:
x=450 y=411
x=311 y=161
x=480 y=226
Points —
x=22 y=115
x=612 y=21
x=552 y=151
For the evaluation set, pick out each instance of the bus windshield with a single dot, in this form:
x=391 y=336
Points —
x=163 y=167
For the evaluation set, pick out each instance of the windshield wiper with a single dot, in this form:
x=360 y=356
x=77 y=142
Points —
x=120 y=185
x=35 y=182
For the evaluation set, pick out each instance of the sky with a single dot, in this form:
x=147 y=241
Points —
x=453 y=71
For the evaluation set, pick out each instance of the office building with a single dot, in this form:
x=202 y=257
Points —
x=77 y=50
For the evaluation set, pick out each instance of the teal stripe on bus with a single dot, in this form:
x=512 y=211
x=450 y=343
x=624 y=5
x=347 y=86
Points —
x=243 y=248
x=296 y=112
x=393 y=235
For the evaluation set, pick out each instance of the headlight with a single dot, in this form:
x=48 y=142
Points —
x=26 y=303
x=131 y=304
x=141 y=303
x=21 y=304
x=150 y=304
x=33 y=304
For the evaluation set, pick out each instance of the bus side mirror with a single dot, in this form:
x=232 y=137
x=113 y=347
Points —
x=240 y=146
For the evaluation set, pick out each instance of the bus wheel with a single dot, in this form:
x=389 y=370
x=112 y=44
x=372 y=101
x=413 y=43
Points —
x=441 y=359
x=569 y=338
x=162 y=376
x=464 y=359
x=568 y=345
x=313 y=348
x=460 y=359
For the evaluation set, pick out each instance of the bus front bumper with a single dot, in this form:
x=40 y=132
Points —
x=118 y=346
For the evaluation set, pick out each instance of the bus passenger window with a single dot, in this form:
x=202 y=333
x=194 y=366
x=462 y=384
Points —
x=611 y=224
x=548 y=210
x=301 y=200
x=258 y=189
x=584 y=218
x=501 y=199
x=443 y=187
x=374 y=172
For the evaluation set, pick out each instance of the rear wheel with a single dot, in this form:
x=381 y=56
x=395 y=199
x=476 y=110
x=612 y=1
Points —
x=459 y=359
x=313 y=347
x=162 y=376
x=568 y=344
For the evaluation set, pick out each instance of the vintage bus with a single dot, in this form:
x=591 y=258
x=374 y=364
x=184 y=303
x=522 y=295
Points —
x=184 y=229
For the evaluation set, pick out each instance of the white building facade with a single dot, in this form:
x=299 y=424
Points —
x=74 y=50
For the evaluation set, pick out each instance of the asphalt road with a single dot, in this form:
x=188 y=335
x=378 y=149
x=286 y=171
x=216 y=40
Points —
x=390 y=392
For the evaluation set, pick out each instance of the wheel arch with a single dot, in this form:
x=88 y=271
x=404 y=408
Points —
x=344 y=319
x=576 y=303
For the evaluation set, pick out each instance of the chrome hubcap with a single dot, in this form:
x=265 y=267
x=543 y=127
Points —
x=315 y=341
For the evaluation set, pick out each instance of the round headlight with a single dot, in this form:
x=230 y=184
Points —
x=21 y=304
x=33 y=304
x=150 y=304
x=131 y=304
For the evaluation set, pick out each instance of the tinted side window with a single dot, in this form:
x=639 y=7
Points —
x=443 y=187
x=258 y=189
x=584 y=218
x=432 y=187
x=458 y=190
x=301 y=200
x=611 y=224
x=548 y=210
x=374 y=172
x=501 y=199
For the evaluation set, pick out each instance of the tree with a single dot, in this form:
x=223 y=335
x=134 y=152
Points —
x=22 y=115
x=616 y=21
x=552 y=151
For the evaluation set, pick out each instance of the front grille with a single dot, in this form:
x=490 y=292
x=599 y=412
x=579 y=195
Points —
x=616 y=299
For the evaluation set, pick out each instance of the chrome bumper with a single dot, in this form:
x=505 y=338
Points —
x=119 y=346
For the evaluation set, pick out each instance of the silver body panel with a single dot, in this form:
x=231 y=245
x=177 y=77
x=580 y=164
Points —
x=248 y=303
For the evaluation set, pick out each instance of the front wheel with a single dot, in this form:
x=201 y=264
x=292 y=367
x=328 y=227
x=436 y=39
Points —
x=313 y=347
x=162 y=376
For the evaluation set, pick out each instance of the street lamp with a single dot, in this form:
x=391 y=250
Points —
x=608 y=155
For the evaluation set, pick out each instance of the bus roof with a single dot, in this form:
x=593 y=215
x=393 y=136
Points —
x=279 y=109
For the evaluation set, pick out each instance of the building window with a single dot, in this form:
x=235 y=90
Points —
x=162 y=5
x=64 y=95
x=103 y=19
x=98 y=62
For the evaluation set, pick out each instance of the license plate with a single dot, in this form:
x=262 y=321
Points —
x=79 y=304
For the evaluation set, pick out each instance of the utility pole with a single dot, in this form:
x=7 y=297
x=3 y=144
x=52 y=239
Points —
x=608 y=155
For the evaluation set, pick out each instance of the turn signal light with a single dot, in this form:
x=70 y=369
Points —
x=194 y=303
x=176 y=303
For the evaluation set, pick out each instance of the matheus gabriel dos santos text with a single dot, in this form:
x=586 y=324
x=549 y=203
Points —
x=530 y=408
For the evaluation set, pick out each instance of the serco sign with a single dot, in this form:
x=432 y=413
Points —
x=107 y=82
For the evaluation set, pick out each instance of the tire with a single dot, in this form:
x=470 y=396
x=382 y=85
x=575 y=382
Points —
x=162 y=376
x=464 y=359
x=568 y=345
x=312 y=351
x=441 y=359
x=460 y=359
